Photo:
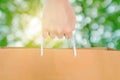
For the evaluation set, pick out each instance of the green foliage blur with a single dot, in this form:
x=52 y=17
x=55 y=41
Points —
x=98 y=24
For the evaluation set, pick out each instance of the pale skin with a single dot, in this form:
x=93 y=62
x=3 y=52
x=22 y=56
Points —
x=58 y=19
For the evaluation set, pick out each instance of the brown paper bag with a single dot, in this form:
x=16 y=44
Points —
x=59 y=64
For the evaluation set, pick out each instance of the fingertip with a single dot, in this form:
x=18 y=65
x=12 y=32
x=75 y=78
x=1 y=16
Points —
x=52 y=34
x=60 y=33
x=68 y=33
x=45 y=34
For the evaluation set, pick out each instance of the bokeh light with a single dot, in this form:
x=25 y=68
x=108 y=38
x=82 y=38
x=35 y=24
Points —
x=98 y=24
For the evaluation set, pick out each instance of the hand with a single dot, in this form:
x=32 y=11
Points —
x=58 y=19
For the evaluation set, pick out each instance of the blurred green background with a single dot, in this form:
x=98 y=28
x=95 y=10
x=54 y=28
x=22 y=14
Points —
x=98 y=24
